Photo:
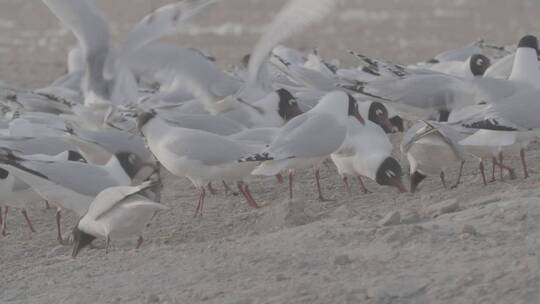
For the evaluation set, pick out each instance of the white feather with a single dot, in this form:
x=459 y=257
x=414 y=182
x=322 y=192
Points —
x=293 y=18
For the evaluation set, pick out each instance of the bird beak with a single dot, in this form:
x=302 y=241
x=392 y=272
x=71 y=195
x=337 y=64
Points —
x=398 y=183
x=387 y=125
x=359 y=118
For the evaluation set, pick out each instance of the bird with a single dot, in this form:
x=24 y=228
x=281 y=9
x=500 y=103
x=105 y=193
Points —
x=116 y=213
x=200 y=156
x=367 y=152
x=308 y=139
x=431 y=148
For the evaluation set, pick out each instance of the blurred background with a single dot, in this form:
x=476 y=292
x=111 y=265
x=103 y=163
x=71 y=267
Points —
x=33 y=45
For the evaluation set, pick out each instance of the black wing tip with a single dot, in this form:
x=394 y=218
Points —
x=256 y=158
x=488 y=124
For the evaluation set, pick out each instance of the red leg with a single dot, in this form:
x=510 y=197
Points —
x=200 y=205
x=459 y=175
x=4 y=223
x=501 y=164
x=319 y=190
x=211 y=189
x=25 y=214
x=524 y=163
x=59 y=236
x=362 y=185
x=494 y=165
x=244 y=189
x=291 y=175
x=482 y=171
x=443 y=180
x=346 y=182
x=1 y=217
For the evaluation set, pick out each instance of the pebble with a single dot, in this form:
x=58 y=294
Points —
x=153 y=298
x=342 y=260
x=469 y=229
x=393 y=218
x=441 y=208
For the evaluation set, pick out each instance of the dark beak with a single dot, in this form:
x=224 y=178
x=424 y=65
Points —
x=359 y=118
x=387 y=125
x=416 y=178
x=398 y=183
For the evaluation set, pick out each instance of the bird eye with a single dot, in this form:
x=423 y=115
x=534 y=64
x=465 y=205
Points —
x=292 y=102
x=479 y=62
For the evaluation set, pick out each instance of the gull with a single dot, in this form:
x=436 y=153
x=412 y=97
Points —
x=19 y=195
x=367 y=151
x=67 y=184
x=308 y=139
x=431 y=148
x=200 y=156
x=116 y=213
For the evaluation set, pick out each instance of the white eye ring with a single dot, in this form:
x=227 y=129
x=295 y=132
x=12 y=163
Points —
x=379 y=112
x=132 y=158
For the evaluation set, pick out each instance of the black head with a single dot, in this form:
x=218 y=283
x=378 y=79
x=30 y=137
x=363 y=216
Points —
x=76 y=157
x=397 y=123
x=3 y=173
x=479 y=64
x=378 y=114
x=130 y=162
x=416 y=178
x=81 y=239
x=389 y=174
x=529 y=41
x=353 y=109
x=288 y=106
x=144 y=117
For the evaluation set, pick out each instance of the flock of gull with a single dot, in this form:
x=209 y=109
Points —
x=95 y=140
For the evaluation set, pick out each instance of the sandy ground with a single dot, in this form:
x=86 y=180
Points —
x=473 y=244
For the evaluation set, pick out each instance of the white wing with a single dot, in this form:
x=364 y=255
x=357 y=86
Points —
x=293 y=18
x=108 y=198
x=164 y=21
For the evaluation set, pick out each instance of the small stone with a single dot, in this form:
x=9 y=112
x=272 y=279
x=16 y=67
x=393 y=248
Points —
x=153 y=298
x=468 y=229
x=392 y=218
x=411 y=218
x=280 y=277
x=342 y=260
x=441 y=208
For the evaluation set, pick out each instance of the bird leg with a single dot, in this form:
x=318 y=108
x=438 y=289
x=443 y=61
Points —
x=510 y=170
x=198 y=211
x=291 y=175
x=494 y=165
x=228 y=189
x=25 y=214
x=524 y=163
x=244 y=189
x=346 y=182
x=211 y=189
x=1 y=218
x=59 y=236
x=107 y=242
x=362 y=185
x=47 y=206
x=459 y=175
x=443 y=181
x=319 y=190
x=501 y=163
x=4 y=222
x=139 y=242
x=482 y=171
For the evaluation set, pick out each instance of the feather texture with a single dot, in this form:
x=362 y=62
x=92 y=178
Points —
x=293 y=18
